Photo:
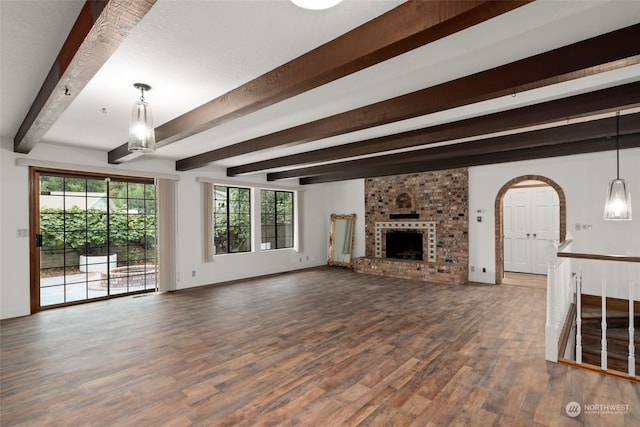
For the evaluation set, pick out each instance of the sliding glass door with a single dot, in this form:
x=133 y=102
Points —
x=95 y=237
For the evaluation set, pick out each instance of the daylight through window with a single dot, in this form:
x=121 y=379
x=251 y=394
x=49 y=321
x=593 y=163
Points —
x=276 y=219
x=231 y=219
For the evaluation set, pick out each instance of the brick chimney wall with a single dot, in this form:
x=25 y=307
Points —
x=441 y=197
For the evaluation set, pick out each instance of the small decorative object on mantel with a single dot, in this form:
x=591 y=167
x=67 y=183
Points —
x=404 y=207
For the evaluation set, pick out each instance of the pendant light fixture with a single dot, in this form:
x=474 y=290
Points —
x=618 y=203
x=315 y=4
x=142 y=138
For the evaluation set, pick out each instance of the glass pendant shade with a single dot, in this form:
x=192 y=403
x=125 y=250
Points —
x=618 y=202
x=315 y=4
x=141 y=134
x=142 y=137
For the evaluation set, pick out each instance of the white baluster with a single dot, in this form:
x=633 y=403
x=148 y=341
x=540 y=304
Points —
x=603 y=352
x=632 y=348
x=579 y=317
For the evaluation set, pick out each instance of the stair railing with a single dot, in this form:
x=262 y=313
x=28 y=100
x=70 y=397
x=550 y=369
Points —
x=560 y=291
x=579 y=317
x=588 y=264
x=603 y=327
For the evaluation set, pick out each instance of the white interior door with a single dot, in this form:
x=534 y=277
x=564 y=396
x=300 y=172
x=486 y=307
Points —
x=531 y=218
x=545 y=225
x=517 y=220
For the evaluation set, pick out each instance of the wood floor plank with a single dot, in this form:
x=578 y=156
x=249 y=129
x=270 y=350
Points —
x=320 y=347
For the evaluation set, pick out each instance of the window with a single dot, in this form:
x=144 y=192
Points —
x=97 y=237
x=231 y=219
x=276 y=219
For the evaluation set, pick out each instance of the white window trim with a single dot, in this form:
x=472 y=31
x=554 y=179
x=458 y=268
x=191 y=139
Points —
x=21 y=161
x=256 y=230
x=248 y=184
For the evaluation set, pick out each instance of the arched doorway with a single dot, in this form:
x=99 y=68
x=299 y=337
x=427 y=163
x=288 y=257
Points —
x=499 y=216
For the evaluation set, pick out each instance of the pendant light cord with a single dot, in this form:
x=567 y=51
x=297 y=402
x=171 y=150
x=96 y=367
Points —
x=618 y=145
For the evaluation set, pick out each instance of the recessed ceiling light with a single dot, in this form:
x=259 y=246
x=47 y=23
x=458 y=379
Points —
x=316 y=4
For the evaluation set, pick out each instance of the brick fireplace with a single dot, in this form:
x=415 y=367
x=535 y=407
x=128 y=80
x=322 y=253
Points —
x=433 y=205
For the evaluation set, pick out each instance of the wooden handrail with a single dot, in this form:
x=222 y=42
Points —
x=625 y=258
x=564 y=244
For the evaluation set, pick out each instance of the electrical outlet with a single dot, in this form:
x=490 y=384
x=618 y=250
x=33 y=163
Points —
x=193 y=273
x=473 y=268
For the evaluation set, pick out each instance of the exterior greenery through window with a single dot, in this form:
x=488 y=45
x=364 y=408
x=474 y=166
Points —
x=98 y=236
x=231 y=219
x=276 y=219
x=81 y=220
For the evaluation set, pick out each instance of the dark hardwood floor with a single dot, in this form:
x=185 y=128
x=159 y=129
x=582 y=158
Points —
x=321 y=347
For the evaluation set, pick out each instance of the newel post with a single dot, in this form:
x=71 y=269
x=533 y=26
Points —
x=551 y=330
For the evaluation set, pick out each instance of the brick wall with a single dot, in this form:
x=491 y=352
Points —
x=442 y=197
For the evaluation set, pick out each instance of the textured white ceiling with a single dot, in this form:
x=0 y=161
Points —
x=31 y=35
x=193 y=51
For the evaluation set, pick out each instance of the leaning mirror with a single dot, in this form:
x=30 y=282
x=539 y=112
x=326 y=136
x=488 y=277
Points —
x=341 y=240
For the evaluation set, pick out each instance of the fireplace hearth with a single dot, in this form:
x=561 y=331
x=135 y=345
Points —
x=404 y=245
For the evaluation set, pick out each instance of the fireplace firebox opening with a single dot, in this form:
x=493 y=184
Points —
x=404 y=245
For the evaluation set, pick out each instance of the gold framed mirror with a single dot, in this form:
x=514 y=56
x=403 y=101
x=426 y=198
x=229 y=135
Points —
x=341 y=240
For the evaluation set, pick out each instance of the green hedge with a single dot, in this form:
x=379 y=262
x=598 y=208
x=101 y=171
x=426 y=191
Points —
x=85 y=229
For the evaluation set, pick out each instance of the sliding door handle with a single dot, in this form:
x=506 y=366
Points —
x=38 y=240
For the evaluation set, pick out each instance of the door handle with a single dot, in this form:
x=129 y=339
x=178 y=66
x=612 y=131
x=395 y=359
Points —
x=38 y=240
x=534 y=235
x=528 y=235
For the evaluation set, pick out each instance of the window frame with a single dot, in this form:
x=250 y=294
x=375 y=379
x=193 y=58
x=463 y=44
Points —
x=207 y=190
x=276 y=224
x=248 y=240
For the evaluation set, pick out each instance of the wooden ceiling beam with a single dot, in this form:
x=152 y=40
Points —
x=543 y=137
x=99 y=29
x=585 y=58
x=558 y=150
x=601 y=128
x=404 y=28
x=591 y=103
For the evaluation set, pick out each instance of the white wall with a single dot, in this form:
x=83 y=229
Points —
x=317 y=202
x=347 y=197
x=14 y=251
x=583 y=178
